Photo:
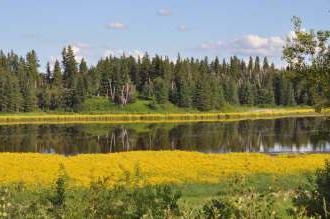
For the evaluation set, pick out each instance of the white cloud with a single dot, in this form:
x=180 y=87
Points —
x=76 y=50
x=164 y=12
x=52 y=61
x=249 y=45
x=183 y=28
x=116 y=25
x=119 y=52
x=81 y=51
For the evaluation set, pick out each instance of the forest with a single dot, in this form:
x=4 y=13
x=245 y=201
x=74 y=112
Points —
x=200 y=84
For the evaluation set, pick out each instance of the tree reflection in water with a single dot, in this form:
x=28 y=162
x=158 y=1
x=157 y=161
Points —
x=278 y=135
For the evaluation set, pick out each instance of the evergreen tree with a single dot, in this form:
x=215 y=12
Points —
x=161 y=90
x=231 y=92
x=203 y=96
x=32 y=66
x=246 y=94
x=70 y=67
x=257 y=65
x=29 y=100
x=49 y=75
x=250 y=65
x=265 y=65
x=57 y=79
x=217 y=97
x=145 y=85
x=184 y=94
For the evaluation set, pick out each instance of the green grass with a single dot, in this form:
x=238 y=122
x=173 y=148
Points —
x=198 y=194
x=100 y=110
x=101 y=105
x=195 y=196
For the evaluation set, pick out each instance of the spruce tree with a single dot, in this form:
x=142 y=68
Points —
x=161 y=90
x=70 y=67
x=49 y=74
x=203 y=99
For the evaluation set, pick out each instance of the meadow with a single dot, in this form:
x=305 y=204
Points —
x=163 y=167
x=166 y=184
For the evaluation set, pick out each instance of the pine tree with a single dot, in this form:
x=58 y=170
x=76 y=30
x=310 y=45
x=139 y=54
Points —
x=184 y=94
x=203 y=99
x=16 y=96
x=28 y=99
x=49 y=74
x=265 y=65
x=32 y=68
x=43 y=99
x=217 y=97
x=250 y=65
x=57 y=79
x=161 y=90
x=70 y=67
x=145 y=78
x=246 y=94
x=231 y=92
x=257 y=65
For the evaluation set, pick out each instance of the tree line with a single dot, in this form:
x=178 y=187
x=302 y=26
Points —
x=187 y=82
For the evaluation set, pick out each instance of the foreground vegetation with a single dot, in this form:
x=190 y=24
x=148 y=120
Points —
x=255 y=196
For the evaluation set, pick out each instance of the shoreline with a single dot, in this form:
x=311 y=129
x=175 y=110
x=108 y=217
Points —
x=159 y=117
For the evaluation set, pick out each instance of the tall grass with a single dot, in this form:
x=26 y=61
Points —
x=159 y=117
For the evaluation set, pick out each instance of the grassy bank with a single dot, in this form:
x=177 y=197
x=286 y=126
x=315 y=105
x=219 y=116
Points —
x=158 y=117
x=157 y=167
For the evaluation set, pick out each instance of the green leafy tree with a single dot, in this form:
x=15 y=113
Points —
x=308 y=56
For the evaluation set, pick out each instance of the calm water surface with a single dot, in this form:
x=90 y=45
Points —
x=269 y=136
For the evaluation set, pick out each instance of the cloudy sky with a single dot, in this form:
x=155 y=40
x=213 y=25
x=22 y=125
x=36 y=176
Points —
x=190 y=27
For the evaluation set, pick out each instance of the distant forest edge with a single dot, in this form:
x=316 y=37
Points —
x=187 y=83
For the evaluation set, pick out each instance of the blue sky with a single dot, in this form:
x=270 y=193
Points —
x=190 y=27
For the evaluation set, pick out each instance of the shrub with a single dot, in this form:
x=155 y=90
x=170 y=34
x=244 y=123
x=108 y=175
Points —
x=130 y=202
x=314 y=196
x=218 y=208
x=249 y=205
x=243 y=201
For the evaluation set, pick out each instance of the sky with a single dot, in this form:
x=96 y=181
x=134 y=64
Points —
x=193 y=28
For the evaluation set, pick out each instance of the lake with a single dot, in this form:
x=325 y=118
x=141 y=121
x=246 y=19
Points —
x=311 y=134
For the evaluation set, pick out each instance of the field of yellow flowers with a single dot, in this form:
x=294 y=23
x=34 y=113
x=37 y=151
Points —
x=156 y=167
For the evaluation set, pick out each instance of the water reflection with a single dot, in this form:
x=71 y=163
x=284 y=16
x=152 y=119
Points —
x=270 y=136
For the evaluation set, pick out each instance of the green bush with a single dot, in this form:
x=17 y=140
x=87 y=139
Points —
x=248 y=205
x=314 y=197
x=241 y=201
x=218 y=208
x=123 y=202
